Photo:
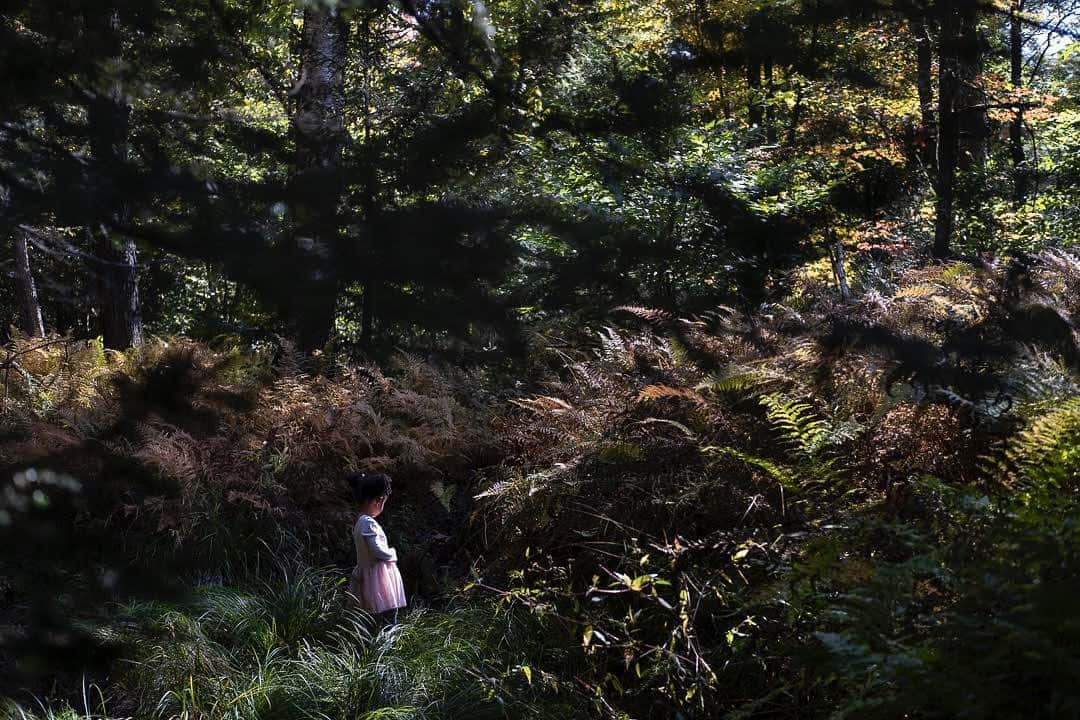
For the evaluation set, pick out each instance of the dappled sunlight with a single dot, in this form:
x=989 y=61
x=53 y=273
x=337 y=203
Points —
x=468 y=359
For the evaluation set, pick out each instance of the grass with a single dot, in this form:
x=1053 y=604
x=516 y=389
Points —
x=290 y=649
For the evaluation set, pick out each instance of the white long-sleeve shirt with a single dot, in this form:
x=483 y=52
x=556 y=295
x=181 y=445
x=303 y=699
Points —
x=370 y=541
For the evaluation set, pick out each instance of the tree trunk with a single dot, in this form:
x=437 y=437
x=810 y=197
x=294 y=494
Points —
x=109 y=116
x=836 y=255
x=800 y=93
x=369 y=200
x=770 y=103
x=30 y=321
x=319 y=130
x=755 y=113
x=948 y=131
x=725 y=99
x=971 y=101
x=121 y=320
x=1016 y=127
x=367 y=315
x=927 y=135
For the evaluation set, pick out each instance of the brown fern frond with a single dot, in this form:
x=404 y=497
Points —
x=175 y=454
x=651 y=315
x=544 y=404
x=922 y=290
x=657 y=392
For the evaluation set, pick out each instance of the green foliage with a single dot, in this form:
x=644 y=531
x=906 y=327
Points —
x=652 y=530
x=980 y=627
x=738 y=379
x=785 y=476
x=289 y=647
x=1047 y=453
x=795 y=422
x=760 y=498
x=785 y=500
x=18 y=712
x=812 y=439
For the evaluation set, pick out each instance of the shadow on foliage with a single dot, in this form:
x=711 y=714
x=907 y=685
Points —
x=70 y=551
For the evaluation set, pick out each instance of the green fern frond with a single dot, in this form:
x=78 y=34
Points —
x=736 y=378
x=797 y=424
x=1047 y=453
x=777 y=472
x=680 y=354
x=956 y=271
x=921 y=290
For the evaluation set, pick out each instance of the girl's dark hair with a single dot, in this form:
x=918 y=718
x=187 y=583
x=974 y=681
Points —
x=369 y=486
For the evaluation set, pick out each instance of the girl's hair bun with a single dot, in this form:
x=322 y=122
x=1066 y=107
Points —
x=369 y=486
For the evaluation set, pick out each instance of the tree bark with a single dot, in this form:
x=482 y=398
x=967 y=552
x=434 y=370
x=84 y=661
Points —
x=755 y=111
x=319 y=130
x=836 y=255
x=369 y=200
x=367 y=315
x=971 y=108
x=1016 y=127
x=30 y=321
x=948 y=130
x=800 y=93
x=770 y=103
x=109 y=115
x=927 y=136
x=121 y=319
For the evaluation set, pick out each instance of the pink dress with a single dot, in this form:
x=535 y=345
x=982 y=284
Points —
x=376 y=581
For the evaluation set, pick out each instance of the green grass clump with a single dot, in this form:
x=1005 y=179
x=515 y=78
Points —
x=13 y=711
x=290 y=648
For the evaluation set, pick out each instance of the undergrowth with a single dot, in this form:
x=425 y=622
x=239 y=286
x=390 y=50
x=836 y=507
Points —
x=291 y=648
x=821 y=508
x=827 y=508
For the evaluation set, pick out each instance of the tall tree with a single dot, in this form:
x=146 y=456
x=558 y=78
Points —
x=962 y=113
x=370 y=65
x=109 y=118
x=1024 y=71
x=924 y=64
x=1016 y=78
x=755 y=106
x=948 y=141
x=770 y=101
x=319 y=132
x=30 y=321
x=974 y=130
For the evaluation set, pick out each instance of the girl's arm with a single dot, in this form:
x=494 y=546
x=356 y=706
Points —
x=377 y=541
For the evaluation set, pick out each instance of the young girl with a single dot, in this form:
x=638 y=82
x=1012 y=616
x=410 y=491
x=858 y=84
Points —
x=375 y=584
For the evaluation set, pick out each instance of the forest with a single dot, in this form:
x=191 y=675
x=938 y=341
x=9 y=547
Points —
x=723 y=355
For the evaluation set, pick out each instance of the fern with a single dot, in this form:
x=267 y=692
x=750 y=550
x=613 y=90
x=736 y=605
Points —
x=527 y=496
x=955 y=272
x=681 y=355
x=543 y=404
x=651 y=315
x=1039 y=376
x=736 y=378
x=1047 y=453
x=614 y=348
x=797 y=424
x=781 y=474
x=812 y=438
x=657 y=392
